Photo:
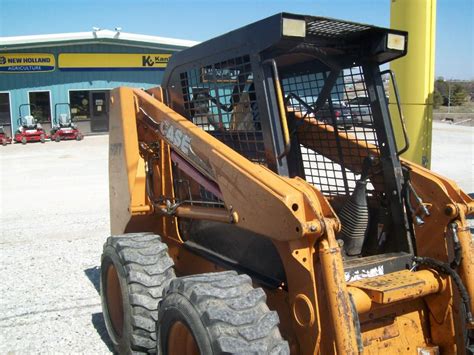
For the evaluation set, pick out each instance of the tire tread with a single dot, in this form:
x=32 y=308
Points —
x=234 y=313
x=149 y=269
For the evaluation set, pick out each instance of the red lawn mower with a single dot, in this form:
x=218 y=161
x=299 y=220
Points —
x=4 y=139
x=28 y=129
x=63 y=127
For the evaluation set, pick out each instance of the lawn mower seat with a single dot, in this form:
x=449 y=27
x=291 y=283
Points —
x=28 y=122
x=65 y=121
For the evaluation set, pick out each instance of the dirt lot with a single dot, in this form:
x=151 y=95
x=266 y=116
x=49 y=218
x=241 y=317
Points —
x=452 y=153
x=54 y=220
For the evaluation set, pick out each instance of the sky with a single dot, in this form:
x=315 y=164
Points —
x=203 y=19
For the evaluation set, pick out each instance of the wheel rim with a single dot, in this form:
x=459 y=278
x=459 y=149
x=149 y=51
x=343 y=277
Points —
x=114 y=300
x=181 y=340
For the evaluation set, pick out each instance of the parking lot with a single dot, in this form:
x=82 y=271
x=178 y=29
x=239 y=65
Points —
x=54 y=220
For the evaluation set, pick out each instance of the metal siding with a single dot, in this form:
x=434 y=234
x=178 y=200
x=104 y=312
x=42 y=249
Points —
x=60 y=82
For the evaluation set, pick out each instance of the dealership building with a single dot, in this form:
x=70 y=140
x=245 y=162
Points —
x=79 y=69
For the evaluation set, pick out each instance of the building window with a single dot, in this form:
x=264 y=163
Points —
x=5 y=109
x=42 y=106
x=80 y=108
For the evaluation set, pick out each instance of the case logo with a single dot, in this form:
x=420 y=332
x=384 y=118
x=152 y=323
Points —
x=176 y=137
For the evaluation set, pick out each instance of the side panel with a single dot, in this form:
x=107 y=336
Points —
x=126 y=168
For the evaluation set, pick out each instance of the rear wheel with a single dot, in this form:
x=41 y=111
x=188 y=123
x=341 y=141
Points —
x=134 y=270
x=217 y=313
x=79 y=137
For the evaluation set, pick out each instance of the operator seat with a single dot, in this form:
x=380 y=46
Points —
x=29 y=122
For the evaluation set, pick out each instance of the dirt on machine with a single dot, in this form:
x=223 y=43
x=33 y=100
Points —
x=254 y=211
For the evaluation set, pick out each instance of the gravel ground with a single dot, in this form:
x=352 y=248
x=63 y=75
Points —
x=54 y=219
x=453 y=153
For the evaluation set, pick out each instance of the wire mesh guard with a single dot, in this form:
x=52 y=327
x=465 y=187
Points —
x=220 y=98
x=330 y=162
x=333 y=28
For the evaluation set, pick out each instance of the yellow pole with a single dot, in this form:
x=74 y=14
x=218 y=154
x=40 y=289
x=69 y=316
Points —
x=415 y=76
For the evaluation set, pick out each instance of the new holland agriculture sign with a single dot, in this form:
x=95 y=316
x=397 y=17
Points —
x=26 y=62
x=112 y=61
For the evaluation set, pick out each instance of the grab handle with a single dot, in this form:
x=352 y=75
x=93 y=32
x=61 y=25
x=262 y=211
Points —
x=402 y=119
x=281 y=108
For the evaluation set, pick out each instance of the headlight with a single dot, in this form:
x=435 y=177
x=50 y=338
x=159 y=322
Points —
x=396 y=42
x=294 y=28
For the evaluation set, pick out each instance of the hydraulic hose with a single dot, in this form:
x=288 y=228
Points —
x=446 y=269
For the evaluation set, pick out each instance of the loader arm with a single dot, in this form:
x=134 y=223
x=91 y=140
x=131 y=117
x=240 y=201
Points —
x=297 y=209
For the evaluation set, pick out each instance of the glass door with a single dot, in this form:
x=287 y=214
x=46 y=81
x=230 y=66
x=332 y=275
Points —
x=99 y=111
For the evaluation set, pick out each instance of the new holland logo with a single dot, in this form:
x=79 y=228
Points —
x=26 y=62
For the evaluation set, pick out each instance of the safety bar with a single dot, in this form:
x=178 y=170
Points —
x=402 y=119
x=281 y=108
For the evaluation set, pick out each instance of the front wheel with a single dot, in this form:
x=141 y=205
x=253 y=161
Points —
x=134 y=270
x=217 y=313
x=23 y=140
x=42 y=138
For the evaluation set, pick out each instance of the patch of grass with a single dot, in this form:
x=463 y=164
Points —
x=468 y=107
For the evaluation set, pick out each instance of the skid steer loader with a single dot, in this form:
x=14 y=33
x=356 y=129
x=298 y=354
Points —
x=245 y=220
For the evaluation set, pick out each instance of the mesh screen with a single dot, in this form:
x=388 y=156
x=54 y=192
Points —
x=332 y=28
x=334 y=166
x=220 y=98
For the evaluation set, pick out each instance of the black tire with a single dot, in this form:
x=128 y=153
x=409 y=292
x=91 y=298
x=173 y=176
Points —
x=23 y=140
x=79 y=137
x=222 y=312
x=4 y=142
x=42 y=138
x=57 y=139
x=134 y=270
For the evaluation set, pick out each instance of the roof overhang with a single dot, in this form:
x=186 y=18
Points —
x=99 y=36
